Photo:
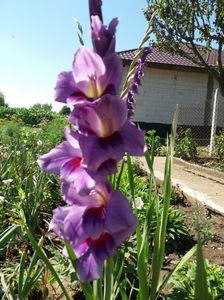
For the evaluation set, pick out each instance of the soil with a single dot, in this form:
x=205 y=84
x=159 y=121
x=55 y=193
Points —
x=214 y=248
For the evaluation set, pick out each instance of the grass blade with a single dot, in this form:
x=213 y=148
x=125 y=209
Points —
x=201 y=288
x=44 y=258
x=160 y=236
x=131 y=178
x=30 y=283
x=6 y=236
x=21 y=275
x=120 y=176
x=180 y=264
x=108 y=279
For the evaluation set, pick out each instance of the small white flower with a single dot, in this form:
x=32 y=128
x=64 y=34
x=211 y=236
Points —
x=18 y=153
x=2 y=199
x=7 y=181
x=139 y=203
x=39 y=142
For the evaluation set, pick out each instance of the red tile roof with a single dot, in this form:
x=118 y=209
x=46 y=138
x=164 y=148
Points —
x=160 y=57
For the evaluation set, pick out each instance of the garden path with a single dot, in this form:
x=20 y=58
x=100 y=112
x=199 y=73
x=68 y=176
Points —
x=197 y=183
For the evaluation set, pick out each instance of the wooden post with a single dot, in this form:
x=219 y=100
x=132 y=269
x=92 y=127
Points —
x=214 y=122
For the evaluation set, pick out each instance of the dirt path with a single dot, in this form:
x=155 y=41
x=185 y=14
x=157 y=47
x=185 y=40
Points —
x=197 y=183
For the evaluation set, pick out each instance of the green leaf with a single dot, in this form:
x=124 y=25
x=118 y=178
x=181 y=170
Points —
x=108 y=279
x=8 y=234
x=180 y=264
x=21 y=275
x=30 y=283
x=120 y=175
x=201 y=287
x=131 y=178
x=160 y=236
x=44 y=258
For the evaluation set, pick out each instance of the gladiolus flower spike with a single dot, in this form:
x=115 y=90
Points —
x=96 y=219
x=136 y=81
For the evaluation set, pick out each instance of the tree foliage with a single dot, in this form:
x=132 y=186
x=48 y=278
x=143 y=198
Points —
x=65 y=110
x=2 y=99
x=180 y=26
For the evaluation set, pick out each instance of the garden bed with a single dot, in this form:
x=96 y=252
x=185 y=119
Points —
x=211 y=226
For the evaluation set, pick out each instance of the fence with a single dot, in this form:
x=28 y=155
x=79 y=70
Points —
x=204 y=120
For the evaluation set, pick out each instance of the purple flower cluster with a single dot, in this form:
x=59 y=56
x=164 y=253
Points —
x=136 y=81
x=96 y=219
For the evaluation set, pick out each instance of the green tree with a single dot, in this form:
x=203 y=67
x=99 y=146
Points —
x=65 y=110
x=2 y=99
x=179 y=26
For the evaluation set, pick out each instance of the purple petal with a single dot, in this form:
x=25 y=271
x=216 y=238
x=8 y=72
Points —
x=65 y=86
x=67 y=223
x=88 y=68
x=97 y=151
x=95 y=8
x=103 y=38
x=114 y=70
x=93 y=221
x=120 y=221
x=104 y=246
x=57 y=222
x=102 y=117
x=69 y=193
x=112 y=26
x=54 y=160
x=83 y=180
x=79 y=176
x=89 y=266
x=133 y=138
x=72 y=140
x=107 y=168
x=71 y=196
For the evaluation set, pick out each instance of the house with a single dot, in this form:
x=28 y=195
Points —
x=169 y=80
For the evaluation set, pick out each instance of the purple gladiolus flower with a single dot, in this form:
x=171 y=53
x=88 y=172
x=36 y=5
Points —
x=103 y=38
x=66 y=161
x=95 y=9
x=136 y=81
x=102 y=210
x=103 y=213
x=96 y=219
x=109 y=133
x=91 y=77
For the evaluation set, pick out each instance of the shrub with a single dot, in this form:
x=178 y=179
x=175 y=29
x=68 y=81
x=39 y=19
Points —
x=7 y=112
x=177 y=196
x=184 y=282
x=153 y=141
x=10 y=132
x=203 y=223
x=219 y=146
x=36 y=114
x=32 y=116
x=65 y=110
x=177 y=231
x=185 y=146
x=2 y=99
x=53 y=132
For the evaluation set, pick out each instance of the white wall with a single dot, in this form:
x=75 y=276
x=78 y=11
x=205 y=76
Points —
x=161 y=90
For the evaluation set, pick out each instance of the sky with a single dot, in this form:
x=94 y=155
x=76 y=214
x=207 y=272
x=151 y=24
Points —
x=38 y=39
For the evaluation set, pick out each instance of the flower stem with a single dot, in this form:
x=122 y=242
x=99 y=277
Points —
x=97 y=289
x=108 y=279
